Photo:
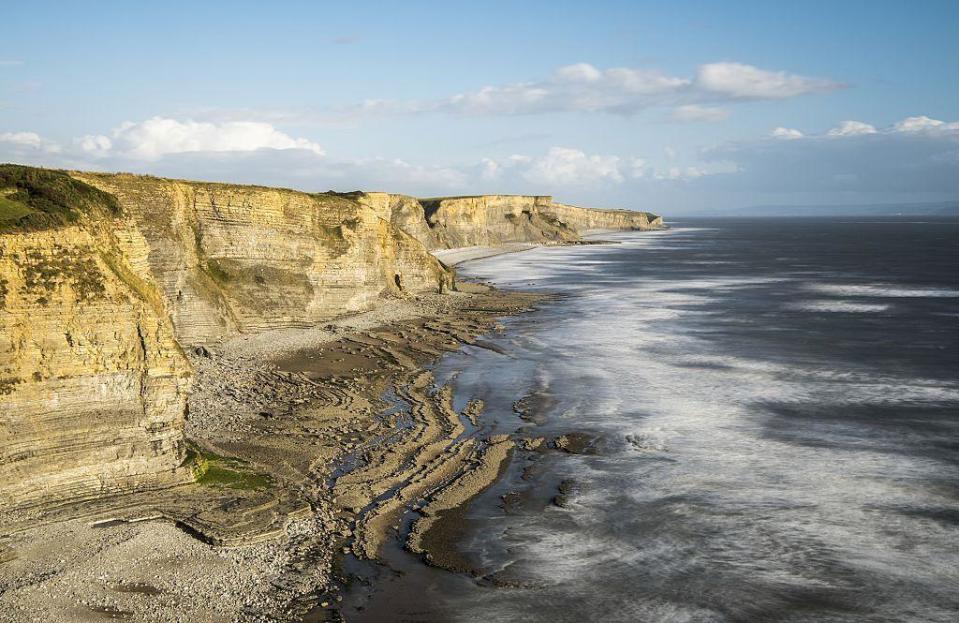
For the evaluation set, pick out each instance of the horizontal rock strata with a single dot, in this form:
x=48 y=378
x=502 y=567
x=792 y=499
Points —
x=233 y=259
x=92 y=384
x=490 y=220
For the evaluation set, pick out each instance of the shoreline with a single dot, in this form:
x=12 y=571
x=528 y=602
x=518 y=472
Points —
x=461 y=255
x=305 y=409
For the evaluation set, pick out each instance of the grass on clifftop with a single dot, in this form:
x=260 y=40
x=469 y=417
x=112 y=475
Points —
x=33 y=199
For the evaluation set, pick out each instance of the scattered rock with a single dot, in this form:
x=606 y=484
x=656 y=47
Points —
x=530 y=444
x=576 y=443
x=567 y=489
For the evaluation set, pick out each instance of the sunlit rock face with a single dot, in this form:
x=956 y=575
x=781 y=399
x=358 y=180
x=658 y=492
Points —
x=234 y=259
x=93 y=385
x=487 y=220
x=586 y=220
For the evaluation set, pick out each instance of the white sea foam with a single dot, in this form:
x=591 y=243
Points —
x=840 y=306
x=882 y=290
x=748 y=497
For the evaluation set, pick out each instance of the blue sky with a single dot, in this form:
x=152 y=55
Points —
x=685 y=107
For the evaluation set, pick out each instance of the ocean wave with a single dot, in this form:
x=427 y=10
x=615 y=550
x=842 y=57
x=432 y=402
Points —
x=851 y=307
x=882 y=290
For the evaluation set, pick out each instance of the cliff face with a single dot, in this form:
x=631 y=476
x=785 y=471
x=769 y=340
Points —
x=243 y=258
x=404 y=212
x=493 y=219
x=586 y=220
x=488 y=220
x=92 y=384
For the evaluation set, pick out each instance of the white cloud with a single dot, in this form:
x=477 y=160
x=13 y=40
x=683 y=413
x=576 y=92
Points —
x=578 y=87
x=507 y=100
x=579 y=72
x=10 y=62
x=418 y=175
x=924 y=124
x=565 y=166
x=740 y=81
x=96 y=145
x=693 y=112
x=490 y=169
x=159 y=136
x=568 y=168
x=917 y=155
x=642 y=81
x=680 y=174
x=582 y=87
x=852 y=128
x=30 y=140
x=639 y=168
x=787 y=134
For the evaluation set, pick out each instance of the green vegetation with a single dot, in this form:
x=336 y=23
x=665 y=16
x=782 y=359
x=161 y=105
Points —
x=143 y=290
x=7 y=385
x=197 y=236
x=33 y=199
x=330 y=233
x=217 y=272
x=253 y=284
x=334 y=200
x=213 y=470
x=220 y=476
x=44 y=273
x=12 y=211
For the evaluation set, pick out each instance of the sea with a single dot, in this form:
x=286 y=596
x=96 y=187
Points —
x=772 y=409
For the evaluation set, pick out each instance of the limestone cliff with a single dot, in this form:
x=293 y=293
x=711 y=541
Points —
x=92 y=384
x=404 y=212
x=587 y=220
x=488 y=220
x=234 y=259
